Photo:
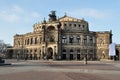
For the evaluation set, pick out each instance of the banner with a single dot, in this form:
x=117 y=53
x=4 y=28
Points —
x=112 y=50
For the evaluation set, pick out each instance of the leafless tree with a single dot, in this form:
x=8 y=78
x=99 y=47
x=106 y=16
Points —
x=3 y=48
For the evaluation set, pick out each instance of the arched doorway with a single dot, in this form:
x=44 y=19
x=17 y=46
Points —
x=50 y=53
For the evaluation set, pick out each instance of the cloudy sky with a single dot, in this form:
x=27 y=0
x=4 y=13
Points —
x=18 y=16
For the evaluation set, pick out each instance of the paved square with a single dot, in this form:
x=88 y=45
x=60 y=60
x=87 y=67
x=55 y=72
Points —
x=60 y=70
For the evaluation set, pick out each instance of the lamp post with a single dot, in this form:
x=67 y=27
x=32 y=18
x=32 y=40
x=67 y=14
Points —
x=18 y=55
x=85 y=55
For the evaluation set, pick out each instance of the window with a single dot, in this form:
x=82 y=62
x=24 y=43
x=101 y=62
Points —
x=79 y=25
x=19 y=43
x=51 y=28
x=64 y=40
x=78 y=39
x=91 y=40
x=71 y=40
x=91 y=51
x=70 y=24
x=40 y=39
x=74 y=25
x=35 y=40
x=85 y=40
x=52 y=39
x=31 y=41
x=78 y=51
x=83 y=27
x=63 y=50
x=27 y=41
x=71 y=50
x=65 y=24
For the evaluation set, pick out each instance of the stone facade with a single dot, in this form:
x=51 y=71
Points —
x=66 y=38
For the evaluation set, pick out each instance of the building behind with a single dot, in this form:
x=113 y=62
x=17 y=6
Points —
x=66 y=38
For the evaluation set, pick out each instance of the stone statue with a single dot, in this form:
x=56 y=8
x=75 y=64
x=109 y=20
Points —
x=52 y=16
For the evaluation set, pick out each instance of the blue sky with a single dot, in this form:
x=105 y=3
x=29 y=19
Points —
x=18 y=16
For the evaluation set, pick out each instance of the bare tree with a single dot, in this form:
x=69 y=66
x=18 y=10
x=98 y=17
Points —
x=3 y=48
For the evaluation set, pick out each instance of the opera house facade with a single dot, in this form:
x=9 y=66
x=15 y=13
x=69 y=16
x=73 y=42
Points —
x=64 y=38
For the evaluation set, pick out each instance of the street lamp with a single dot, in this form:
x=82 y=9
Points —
x=86 y=54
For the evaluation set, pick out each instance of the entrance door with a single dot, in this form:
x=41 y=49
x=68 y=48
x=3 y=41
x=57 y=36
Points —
x=78 y=56
x=64 y=56
x=50 y=53
x=71 y=56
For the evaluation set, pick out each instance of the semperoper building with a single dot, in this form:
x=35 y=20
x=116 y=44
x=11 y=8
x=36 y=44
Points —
x=64 y=38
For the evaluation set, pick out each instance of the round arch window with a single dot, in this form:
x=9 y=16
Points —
x=50 y=28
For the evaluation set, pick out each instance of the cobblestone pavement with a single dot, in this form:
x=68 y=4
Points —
x=60 y=70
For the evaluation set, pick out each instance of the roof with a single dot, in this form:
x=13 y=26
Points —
x=68 y=18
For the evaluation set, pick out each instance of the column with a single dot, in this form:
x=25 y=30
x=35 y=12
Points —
x=53 y=54
x=94 y=41
x=81 y=40
x=41 y=53
x=88 y=40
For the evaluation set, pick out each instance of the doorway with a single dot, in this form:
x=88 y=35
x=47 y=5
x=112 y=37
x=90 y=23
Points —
x=78 y=56
x=71 y=56
x=49 y=53
x=64 y=56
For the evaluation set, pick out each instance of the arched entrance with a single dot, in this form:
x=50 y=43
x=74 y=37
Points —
x=50 y=53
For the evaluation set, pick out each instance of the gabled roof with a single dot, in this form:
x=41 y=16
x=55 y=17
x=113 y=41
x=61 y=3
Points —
x=68 y=18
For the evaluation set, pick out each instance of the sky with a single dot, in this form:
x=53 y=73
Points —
x=18 y=16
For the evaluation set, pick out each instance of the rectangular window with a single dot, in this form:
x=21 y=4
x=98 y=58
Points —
x=64 y=40
x=35 y=40
x=85 y=40
x=78 y=39
x=31 y=42
x=91 y=40
x=71 y=40
x=63 y=50
x=78 y=51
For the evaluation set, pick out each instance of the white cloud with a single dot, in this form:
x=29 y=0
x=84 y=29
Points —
x=35 y=15
x=17 y=9
x=9 y=17
x=89 y=13
x=18 y=14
